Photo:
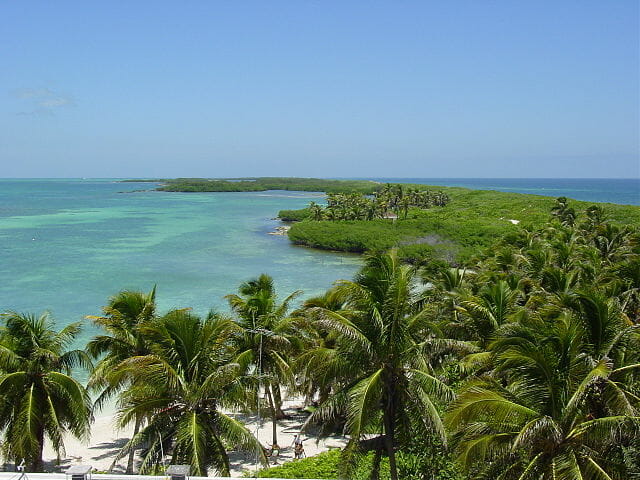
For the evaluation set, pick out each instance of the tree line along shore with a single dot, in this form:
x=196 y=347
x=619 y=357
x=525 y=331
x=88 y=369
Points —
x=449 y=234
x=522 y=361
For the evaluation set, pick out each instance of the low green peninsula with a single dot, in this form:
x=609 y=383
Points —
x=468 y=223
x=447 y=224
x=262 y=184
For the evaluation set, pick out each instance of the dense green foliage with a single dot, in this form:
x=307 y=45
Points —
x=323 y=465
x=417 y=239
x=524 y=364
x=473 y=220
x=380 y=364
x=39 y=398
x=294 y=215
x=419 y=463
x=264 y=340
x=180 y=389
x=390 y=201
x=422 y=465
x=124 y=316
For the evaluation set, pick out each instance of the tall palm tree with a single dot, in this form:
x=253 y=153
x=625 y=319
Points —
x=180 y=389
x=123 y=318
x=383 y=380
x=38 y=395
x=319 y=346
x=316 y=211
x=265 y=339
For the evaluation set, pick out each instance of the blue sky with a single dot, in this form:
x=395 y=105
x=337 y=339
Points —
x=319 y=88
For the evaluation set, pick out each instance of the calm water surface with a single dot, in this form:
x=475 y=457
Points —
x=67 y=245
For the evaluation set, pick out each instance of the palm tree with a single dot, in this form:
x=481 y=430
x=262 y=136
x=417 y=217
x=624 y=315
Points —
x=123 y=317
x=564 y=213
x=548 y=412
x=383 y=380
x=180 y=388
x=319 y=347
x=316 y=211
x=488 y=310
x=265 y=339
x=38 y=395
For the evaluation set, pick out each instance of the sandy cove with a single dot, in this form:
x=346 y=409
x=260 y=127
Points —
x=106 y=441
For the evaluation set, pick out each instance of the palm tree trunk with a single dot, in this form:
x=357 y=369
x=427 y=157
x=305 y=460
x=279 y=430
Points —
x=132 y=453
x=375 y=469
x=389 y=437
x=323 y=395
x=277 y=400
x=274 y=417
x=36 y=462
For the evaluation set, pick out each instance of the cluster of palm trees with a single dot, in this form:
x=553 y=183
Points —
x=552 y=391
x=390 y=201
x=525 y=365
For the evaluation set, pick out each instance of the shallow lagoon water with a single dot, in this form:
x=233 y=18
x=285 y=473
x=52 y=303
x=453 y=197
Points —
x=67 y=245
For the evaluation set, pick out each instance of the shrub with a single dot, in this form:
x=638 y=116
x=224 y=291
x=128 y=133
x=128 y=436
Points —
x=430 y=464
x=323 y=465
x=294 y=215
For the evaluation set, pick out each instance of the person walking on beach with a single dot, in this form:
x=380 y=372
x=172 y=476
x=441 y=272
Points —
x=298 y=449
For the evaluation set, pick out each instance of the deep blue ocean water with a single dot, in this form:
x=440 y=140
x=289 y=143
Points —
x=624 y=191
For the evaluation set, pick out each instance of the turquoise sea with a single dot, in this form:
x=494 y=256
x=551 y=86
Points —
x=67 y=245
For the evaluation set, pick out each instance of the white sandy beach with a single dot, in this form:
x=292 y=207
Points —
x=105 y=442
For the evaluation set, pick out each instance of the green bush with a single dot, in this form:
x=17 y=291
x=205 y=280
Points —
x=346 y=235
x=431 y=464
x=294 y=215
x=472 y=222
x=424 y=464
x=323 y=465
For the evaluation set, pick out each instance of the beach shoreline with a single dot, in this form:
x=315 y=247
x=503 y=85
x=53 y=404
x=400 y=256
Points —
x=106 y=441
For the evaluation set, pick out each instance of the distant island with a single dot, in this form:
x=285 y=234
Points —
x=262 y=184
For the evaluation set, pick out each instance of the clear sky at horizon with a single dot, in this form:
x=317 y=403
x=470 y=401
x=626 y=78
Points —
x=320 y=88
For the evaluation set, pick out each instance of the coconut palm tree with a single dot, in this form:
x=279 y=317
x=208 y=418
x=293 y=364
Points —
x=316 y=211
x=383 y=380
x=564 y=213
x=265 y=338
x=319 y=347
x=123 y=317
x=548 y=411
x=488 y=310
x=39 y=398
x=180 y=389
